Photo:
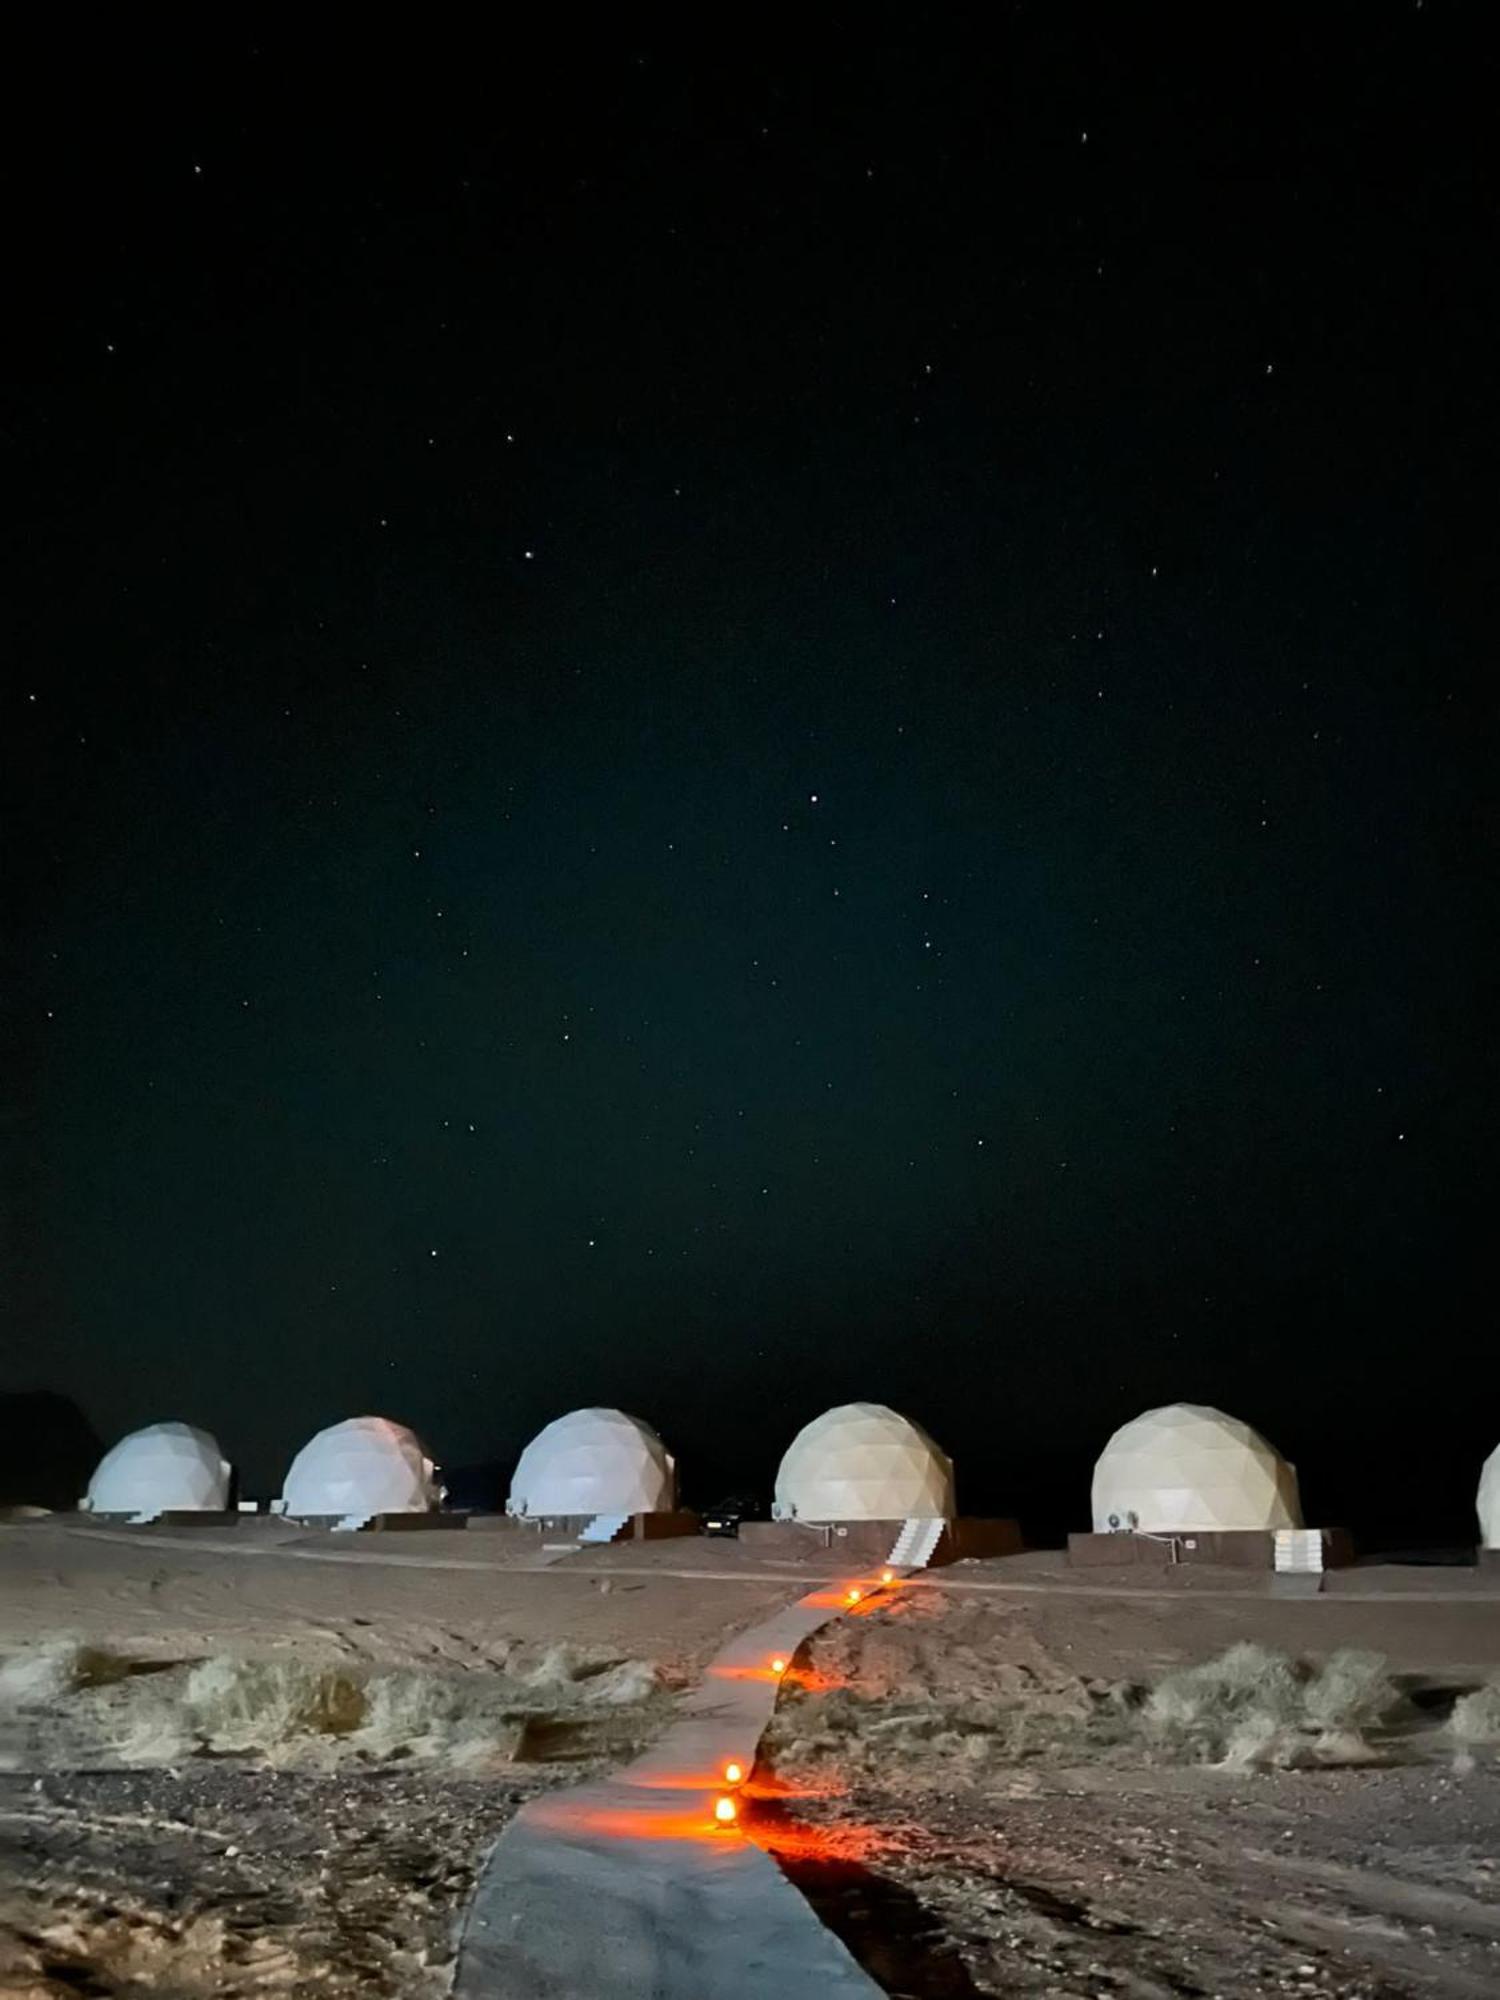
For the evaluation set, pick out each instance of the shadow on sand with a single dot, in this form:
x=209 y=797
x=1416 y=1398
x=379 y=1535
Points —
x=880 y=1924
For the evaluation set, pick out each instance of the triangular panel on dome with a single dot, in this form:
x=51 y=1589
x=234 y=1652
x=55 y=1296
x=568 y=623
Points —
x=360 y=1468
x=169 y=1468
x=593 y=1462
x=1188 y=1468
x=863 y=1462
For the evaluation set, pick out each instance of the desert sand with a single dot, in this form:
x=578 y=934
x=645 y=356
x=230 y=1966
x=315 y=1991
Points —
x=262 y=1760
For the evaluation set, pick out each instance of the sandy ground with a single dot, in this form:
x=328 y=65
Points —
x=955 y=1821
x=400 y=1599
x=326 y=1871
x=960 y=1821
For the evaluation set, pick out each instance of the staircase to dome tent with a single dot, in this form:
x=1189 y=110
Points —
x=604 y=1528
x=913 y=1547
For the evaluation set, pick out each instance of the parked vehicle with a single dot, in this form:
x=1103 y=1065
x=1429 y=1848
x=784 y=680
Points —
x=725 y=1518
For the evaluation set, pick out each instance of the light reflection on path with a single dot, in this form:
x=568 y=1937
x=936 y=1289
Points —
x=629 y=1890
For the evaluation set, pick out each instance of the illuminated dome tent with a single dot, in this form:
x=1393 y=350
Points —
x=1488 y=1501
x=163 y=1469
x=863 y=1462
x=594 y=1463
x=359 y=1468
x=1189 y=1468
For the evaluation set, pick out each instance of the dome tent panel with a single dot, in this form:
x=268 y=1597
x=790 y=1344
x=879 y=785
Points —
x=1187 y=1468
x=1487 y=1501
x=863 y=1462
x=168 y=1468
x=591 y=1462
x=365 y=1465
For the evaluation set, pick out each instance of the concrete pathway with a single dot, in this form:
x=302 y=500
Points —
x=630 y=1890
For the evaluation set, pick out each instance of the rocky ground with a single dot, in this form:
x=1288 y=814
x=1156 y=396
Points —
x=232 y=1775
x=224 y=1879
x=968 y=1786
x=976 y=1817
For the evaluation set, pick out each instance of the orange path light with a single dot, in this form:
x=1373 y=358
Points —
x=887 y=1576
x=778 y=1665
x=725 y=1811
x=851 y=1597
x=733 y=1774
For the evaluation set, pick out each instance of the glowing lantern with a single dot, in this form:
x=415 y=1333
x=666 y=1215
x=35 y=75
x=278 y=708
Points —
x=725 y=1811
x=852 y=1597
x=887 y=1576
x=733 y=1774
x=778 y=1666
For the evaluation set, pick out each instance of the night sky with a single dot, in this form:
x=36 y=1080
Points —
x=727 y=718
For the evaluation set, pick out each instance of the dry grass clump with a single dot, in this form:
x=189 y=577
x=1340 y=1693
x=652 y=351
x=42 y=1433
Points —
x=463 y=1723
x=1030 y=1718
x=1475 y=1722
x=1476 y=1716
x=283 y=1711
x=237 y=1705
x=1255 y=1707
x=1251 y=1707
x=563 y=1701
x=40 y=1674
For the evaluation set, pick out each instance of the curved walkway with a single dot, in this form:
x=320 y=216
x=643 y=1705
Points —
x=629 y=1888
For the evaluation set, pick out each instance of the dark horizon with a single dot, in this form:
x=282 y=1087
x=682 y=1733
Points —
x=722 y=730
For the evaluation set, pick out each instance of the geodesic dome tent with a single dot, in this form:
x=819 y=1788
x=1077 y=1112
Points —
x=363 y=1466
x=1189 y=1467
x=593 y=1462
x=162 y=1469
x=863 y=1462
x=1488 y=1501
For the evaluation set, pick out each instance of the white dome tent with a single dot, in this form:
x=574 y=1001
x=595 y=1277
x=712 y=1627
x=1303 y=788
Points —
x=1488 y=1501
x=1187 y=1468
x=599 y=1463
x=863 y=1462
x=163 y=1469
x=359 y=1468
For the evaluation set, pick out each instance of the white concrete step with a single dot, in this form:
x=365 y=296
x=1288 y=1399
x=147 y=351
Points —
x=1299 y=1551
x=913 y=1547
x=604 y=1527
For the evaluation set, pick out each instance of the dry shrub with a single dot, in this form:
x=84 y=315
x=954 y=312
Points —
x=559 y=1702
x=588 y=1674
x=1350 y=1693
x=558 y=1667
x=463 y=1723
x=1245 y=1697
x=289 y=1711
x=1252 y=1707
x=1257 y=1741
x=238 y=1705
x=622 y=1685
x=1475 y=1720
x=152 y=1732
x=1026 y=1718
x=42 y=1674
